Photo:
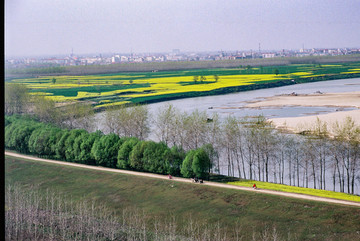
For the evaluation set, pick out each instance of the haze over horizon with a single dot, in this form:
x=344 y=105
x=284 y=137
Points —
x=39 y=27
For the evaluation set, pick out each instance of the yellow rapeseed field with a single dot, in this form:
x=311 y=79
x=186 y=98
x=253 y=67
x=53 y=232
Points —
x=117 y=89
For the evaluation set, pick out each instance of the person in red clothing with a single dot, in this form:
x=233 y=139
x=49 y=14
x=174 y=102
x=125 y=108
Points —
x=169 y=176
x=254 y=186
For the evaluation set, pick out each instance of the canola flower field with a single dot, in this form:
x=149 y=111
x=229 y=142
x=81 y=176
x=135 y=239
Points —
x=144 y=87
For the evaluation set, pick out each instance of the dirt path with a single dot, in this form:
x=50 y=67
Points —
x=179 y=179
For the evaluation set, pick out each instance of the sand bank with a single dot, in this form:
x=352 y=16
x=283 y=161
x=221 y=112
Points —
x=299 y=124
x=303 y=123
x=346 y=99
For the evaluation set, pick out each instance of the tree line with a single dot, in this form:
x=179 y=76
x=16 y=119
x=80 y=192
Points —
x=250 y=148
x=26 y=135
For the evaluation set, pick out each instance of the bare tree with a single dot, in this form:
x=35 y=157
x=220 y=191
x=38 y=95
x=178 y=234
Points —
x=16 y=98
x=165 y=121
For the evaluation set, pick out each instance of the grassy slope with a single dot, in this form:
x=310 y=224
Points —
x=310 y=220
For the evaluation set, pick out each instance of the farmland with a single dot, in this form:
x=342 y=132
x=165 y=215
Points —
x=113 y=89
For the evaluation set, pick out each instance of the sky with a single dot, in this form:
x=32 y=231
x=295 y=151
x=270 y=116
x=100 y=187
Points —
x=43 y=27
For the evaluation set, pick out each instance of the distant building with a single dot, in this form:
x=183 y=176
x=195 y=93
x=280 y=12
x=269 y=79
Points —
x=268 y=55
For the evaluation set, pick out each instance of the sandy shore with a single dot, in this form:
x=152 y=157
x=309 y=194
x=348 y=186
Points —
x=347 y=99
x=298 y=124
x=303 y=123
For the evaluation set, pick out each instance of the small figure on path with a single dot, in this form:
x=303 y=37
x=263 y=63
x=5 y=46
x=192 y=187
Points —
x=169 y=176
x=254 y=186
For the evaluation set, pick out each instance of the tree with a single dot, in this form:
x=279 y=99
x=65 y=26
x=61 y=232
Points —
x=42 y=140
x=174 y=157
x=129 y=122
x=214 y=139
x=16 y=98
x=165 y=124
x=202 y=79
x=18 y=133
x=216 y=77
x=124 y=152
x=196 y=163
x=346 y=153
x=136 y=156
x=53 y=80
x=201 y=164
x=230 y=139
x=45 y=110
x=111 y=121
x=153 y=157
x=195 y=78
x=186 y=167
x=69 y=144
x=83 y=145
x=78 y=115
x=276 y=71
x=105 y=150
x=60 y=147
x=195 y=128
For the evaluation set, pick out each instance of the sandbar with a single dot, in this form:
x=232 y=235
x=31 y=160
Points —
x=344 y=99
x=304 y=123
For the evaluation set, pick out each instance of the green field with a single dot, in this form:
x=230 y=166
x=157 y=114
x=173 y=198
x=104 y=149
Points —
x=146 y=87
x=303 y=220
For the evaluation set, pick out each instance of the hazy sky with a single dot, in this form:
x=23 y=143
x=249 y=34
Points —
x=39 y=27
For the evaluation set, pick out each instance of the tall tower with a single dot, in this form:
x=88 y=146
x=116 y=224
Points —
x=260 y=51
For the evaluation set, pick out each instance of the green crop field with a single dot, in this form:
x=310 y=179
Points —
x=251 y=211
x=144 y=87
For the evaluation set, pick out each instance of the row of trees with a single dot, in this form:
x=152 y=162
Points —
x=251 y=148
x=78 y=145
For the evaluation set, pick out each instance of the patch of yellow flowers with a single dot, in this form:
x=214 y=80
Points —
x=158 y=86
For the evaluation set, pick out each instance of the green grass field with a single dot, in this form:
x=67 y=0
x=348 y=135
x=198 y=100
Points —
x=146 y=87
x=306 y=220
x=301 y=190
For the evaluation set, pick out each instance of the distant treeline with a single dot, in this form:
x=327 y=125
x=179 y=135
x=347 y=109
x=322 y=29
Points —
x=26 y=135
x=180 y=65
x=33 y=72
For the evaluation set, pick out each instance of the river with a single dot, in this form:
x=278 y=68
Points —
x=237 y=101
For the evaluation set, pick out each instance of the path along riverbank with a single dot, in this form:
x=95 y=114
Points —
x=179 y=179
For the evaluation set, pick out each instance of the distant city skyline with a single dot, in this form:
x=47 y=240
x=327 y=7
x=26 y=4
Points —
x=58 y=27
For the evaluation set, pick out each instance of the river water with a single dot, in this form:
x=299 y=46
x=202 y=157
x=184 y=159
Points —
x=233 y=104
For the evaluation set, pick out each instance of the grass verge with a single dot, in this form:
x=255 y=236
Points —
x=301 y=190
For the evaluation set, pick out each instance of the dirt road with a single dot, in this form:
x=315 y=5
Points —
x=179 y=179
